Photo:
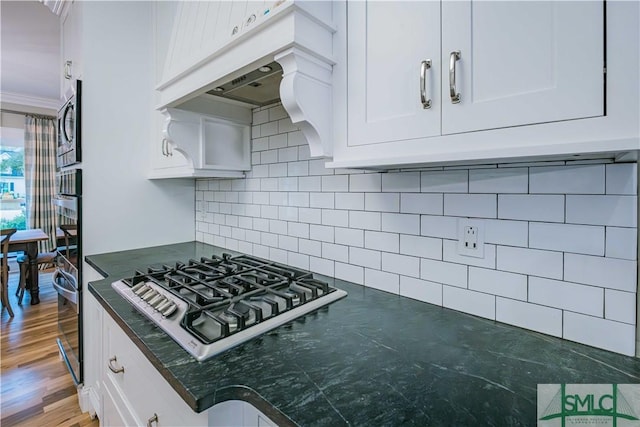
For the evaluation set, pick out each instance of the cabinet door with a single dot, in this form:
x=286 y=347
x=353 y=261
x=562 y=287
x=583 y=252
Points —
x=521 y=62
x=387 y=42
x=71 y=47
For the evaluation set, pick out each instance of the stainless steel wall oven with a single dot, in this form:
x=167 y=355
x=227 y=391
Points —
x=67 y=278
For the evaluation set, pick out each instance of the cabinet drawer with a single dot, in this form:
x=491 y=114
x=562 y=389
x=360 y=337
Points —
x=142 y=388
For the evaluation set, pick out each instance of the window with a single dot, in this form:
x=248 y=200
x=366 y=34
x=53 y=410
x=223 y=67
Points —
x=12 y=185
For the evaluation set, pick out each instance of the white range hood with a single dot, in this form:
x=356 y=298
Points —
x=205 y=53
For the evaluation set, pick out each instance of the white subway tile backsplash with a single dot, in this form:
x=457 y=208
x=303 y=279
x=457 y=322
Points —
x=504 y=232
x=534 y=262
x=260 y=144
x=352 y=201
x=445 y=227
x=300 y=168
x=620 y=306
x=276 y=141
x=620 y=211
x=269 y=239
x=335 y=217
x=602 y=333
x=567 y=296
x=529 y=316
x=278 y=169
x=294 y=136
x=278 y=226
x=546 y=227
x=609 y=273
x=450 y=181
x=580 y=239
x=298 y=229
x=622 y=179
x=351 y=273
x=500 y=283
x=382 y=202
x=365 y=258
x=335 y=183
x=424 y=247
x=322 y=266
x=310 y=183
x=588 y=179
x=288 y=243
x=621 y=243
x=288 y=213
x=316 y=167
x=381 y=280
x=269 y=156
x=471 y=205
x=444 y=272
x=321 y=200
x=321 y=232
x=335 y=252
x=349 y=236
x=365 y=182
x=421 y=203
x=401 y=264
x=310 y=247
x=310 y=215
x=298 y=260
x=389 y=242
x=421 y=290
x=531 y=207
x=365 y=220
x=299 y=199
x=401 y=223
x=476 y=303
x=505 y=180
x=404 y=181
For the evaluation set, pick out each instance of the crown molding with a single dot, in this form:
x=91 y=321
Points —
x=30 y=101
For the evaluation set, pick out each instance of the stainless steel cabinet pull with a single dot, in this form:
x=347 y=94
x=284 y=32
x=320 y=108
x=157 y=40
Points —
x=164 y=147
x=455 y=97
x=153 y=419
x=114 y=369
x=67 y=70
x=424 y=66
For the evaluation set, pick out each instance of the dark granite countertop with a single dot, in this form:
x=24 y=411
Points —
x=371 y=359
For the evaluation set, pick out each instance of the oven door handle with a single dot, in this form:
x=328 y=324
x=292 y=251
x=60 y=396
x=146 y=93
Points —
x=63 y=291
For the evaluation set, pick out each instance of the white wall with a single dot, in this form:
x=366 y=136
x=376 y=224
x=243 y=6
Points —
x=123 y=209
x=561 y=238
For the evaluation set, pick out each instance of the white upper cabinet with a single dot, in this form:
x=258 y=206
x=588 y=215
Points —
x=521 y=62
x=428 y=83
x=388 y=44
x=71 y=47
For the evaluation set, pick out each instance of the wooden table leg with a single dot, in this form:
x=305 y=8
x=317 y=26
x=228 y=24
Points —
x=5 y=293
x=32 y=253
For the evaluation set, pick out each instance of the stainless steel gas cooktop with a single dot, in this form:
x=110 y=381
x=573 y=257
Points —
x=212 y=304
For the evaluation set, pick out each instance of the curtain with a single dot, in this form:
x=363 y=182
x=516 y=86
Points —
x=40 y=176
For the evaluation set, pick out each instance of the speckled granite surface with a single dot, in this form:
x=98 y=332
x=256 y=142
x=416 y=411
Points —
x=370 y=359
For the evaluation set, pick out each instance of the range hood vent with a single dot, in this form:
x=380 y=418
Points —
x=259 y=87
x=283 y=51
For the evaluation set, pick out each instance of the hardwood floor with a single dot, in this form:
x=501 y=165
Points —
x=36 y=388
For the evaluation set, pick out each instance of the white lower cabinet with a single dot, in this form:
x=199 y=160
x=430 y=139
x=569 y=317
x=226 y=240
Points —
x=133 y=393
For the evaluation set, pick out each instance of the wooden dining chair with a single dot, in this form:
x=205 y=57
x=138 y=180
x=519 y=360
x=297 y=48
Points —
x=6 y=234
x=25 y=271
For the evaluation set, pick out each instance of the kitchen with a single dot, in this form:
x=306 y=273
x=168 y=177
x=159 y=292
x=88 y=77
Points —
x=557 y=257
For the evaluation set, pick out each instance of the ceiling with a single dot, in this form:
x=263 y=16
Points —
x=30 y=53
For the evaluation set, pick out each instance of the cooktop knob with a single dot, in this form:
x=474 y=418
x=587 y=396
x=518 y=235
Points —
x=169 y=310
x=149 y=295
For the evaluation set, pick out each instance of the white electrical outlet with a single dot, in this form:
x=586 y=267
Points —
x=470 y=238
